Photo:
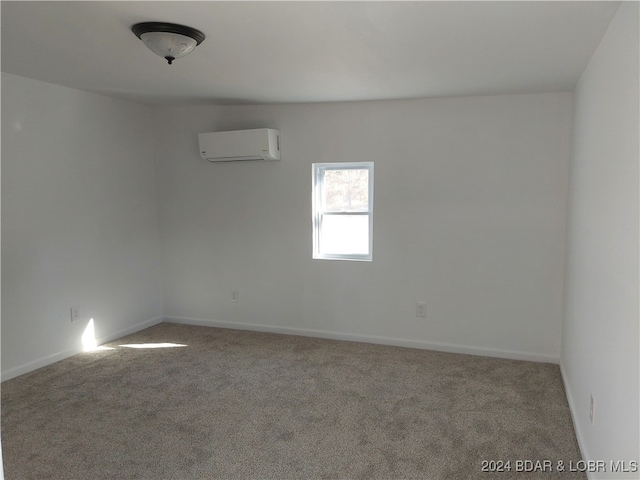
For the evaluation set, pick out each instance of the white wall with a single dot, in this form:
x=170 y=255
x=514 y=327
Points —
x=79 y=220
x=470 y=211
x=600 y=329
x=1 y=461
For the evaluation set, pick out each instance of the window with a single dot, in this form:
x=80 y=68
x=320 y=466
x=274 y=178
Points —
x=343 y=211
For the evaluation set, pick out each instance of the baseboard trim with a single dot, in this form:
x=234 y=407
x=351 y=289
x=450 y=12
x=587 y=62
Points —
x=573 y=411
x=354 y=337
x=56 y=357
x=129 y=330
x=39 y=363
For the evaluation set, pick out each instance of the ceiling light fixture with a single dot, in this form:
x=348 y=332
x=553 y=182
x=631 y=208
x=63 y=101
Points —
x=168 y=40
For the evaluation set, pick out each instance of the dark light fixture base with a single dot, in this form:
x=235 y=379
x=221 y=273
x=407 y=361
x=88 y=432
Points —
x=139 y=28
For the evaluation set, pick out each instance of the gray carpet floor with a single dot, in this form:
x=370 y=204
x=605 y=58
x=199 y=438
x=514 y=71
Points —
x=235 y=404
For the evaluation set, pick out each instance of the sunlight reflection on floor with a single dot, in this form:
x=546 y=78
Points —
x=89 y=343
x=153 y=345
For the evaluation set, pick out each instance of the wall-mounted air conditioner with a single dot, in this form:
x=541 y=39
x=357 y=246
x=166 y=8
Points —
x=238 y=145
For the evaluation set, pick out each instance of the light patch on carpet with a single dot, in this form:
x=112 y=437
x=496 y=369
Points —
x=153 y=345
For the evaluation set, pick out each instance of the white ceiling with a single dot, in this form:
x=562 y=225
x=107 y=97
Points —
x=272 y=52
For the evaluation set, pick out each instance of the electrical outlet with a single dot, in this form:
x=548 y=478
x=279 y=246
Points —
x=234 y=296
x=421 y=309
x=592 y=405
x=75 y=313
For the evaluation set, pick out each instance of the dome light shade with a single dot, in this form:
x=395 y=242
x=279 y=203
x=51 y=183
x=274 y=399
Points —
x=168 y=45
x=168 y=40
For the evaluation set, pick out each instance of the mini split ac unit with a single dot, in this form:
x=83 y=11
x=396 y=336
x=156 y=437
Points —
x=239 y=145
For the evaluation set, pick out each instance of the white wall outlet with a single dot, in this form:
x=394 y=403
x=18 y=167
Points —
x=592 y=406
x=421 y=309
x=234 y=295
x=75 y=313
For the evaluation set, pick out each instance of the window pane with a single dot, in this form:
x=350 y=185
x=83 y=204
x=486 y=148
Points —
x=346 y=191
x=345 y=234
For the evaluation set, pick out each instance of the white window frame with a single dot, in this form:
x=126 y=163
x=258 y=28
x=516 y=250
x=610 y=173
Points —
x=318 y=170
